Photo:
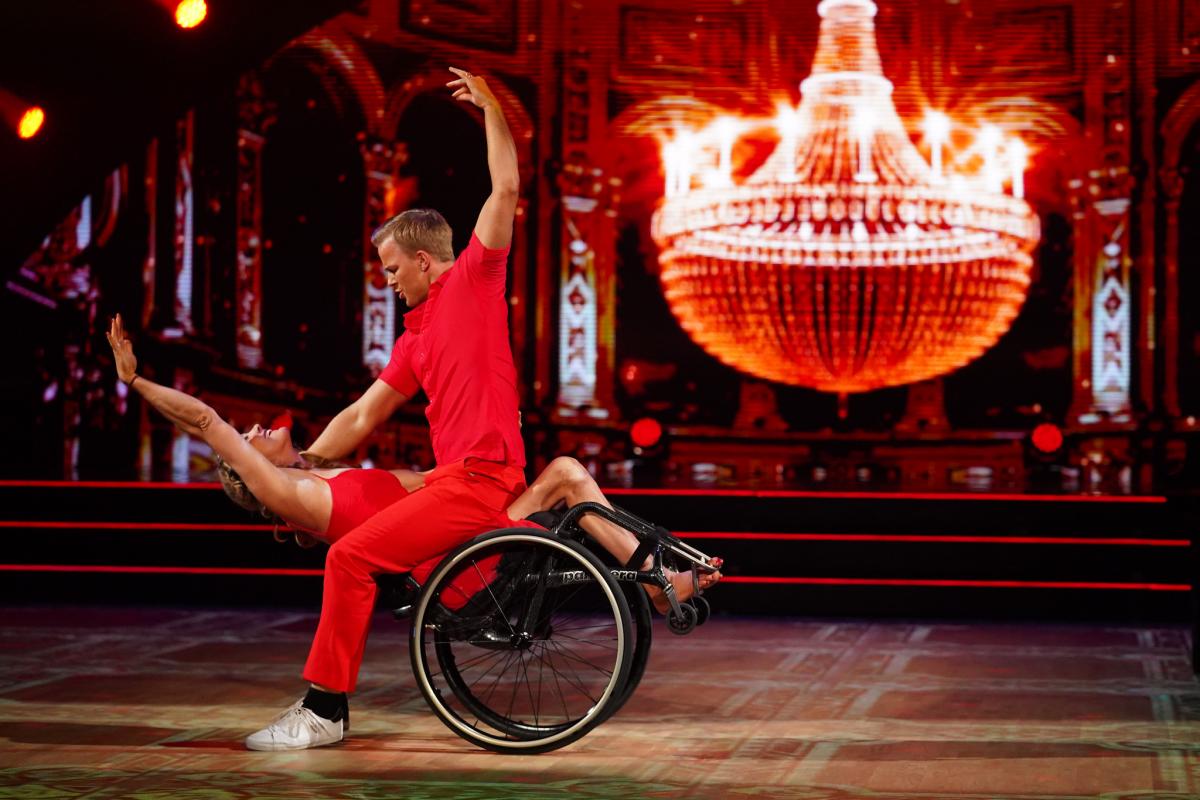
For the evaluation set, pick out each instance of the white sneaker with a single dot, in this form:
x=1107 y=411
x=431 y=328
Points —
x=300 y=702
x=298 y=728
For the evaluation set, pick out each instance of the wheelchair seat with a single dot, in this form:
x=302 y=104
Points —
x=547 y=519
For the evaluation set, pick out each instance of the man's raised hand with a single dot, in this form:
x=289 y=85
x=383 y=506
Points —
x=471 y=89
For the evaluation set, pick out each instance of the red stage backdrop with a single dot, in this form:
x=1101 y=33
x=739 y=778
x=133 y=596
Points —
x=829 y=243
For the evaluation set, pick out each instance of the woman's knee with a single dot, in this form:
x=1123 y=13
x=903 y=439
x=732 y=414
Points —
x=570 y=473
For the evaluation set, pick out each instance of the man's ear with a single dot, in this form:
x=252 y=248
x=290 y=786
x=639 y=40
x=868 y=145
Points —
x=424 y=261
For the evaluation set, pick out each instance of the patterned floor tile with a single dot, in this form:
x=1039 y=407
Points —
x=155 y=704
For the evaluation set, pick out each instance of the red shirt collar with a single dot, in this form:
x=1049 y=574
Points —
x=414 y=318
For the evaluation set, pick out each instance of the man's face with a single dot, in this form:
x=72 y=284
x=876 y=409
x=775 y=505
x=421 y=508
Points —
x=407 y=275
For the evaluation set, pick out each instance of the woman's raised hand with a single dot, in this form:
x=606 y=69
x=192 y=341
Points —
x=122 y=349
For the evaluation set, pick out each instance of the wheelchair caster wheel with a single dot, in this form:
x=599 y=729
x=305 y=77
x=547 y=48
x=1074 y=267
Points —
x=684 y=622
x=703 y=610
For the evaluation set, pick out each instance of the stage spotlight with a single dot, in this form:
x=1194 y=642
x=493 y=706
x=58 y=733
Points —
x=31 y=122
x=1047 y=439
x=24 y=118
x=647 y=452
x=645 y=434
x=188 y=13
x=1046 y=457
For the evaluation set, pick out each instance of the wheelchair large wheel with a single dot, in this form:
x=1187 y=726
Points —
x=522 y=641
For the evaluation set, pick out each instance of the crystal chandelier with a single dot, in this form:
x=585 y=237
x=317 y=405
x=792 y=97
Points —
x=846 y=262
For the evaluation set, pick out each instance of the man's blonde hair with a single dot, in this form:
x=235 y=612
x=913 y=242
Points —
x=418 y=229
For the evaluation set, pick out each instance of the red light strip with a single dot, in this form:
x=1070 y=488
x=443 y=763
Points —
x=1149 y=587
x=136 y=526
x=881 y=537
x=110 y=568
x=742 y=535
x=616 y=491
x=783 y=493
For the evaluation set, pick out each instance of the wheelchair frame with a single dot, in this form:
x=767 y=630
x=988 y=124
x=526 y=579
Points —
x=564 y=539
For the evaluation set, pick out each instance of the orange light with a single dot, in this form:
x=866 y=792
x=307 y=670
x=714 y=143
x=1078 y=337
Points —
x=646 y=432
x=190 y=13
x=1047 y=438
x=845 y=262
x=31 y=122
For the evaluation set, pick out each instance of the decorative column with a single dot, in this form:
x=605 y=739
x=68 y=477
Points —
x=184 y=220
x=587 y=274
x=1144 y=70
x=1172 y=193
x=1176 y=132
x=150 y=262
x=254 y=120
x=586 y=295
x=382 y=162
x=539 y=392
x=1103 y=298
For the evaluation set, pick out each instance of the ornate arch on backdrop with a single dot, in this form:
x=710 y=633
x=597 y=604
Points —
x=1179 y=122
x=433 y=81
x=341 y=53
x=335 y=50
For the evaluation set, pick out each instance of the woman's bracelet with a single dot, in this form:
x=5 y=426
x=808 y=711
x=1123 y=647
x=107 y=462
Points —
x=131 y=380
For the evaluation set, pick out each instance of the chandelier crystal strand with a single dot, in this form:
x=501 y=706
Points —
x=846 y=262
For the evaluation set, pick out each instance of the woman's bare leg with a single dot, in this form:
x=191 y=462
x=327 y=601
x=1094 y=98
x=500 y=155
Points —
x=565 y=479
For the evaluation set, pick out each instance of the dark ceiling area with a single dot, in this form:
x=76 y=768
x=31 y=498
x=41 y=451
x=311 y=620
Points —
x=109 y=76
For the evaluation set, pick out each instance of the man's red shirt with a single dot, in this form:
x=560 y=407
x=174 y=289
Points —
x=455 y=346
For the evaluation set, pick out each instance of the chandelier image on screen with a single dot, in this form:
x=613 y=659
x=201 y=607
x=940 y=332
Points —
x=846 y=262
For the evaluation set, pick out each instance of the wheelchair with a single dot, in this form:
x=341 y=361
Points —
x=524 y=640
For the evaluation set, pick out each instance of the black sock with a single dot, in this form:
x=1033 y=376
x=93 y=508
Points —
x=330 y=705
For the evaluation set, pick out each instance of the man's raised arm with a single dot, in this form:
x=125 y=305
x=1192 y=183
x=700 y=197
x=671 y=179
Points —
x=495 y=224
x=354 y=423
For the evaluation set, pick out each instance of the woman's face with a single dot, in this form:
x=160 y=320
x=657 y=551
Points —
x=275 y=444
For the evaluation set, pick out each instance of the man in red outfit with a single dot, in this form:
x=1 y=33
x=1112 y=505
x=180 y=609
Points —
x=455 y=347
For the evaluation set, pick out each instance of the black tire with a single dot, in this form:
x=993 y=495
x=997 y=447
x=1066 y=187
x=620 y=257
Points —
x=639 y=608
x=552 y=609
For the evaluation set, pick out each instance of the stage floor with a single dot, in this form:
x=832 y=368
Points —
x=102 y=703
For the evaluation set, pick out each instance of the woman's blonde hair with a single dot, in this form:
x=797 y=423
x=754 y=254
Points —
x=236 y=490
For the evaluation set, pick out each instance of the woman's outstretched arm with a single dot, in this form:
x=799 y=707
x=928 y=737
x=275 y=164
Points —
x=294 y=497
